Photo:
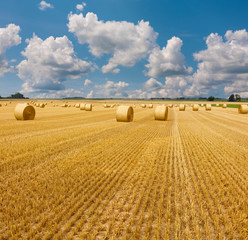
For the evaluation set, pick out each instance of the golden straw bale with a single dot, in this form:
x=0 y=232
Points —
x=208 y=107
x=88 y=107
x=170 y=105
x=106 y=105
x=24 y=111
x=143 y=105
x=181 y=107
x=82 y=106
x=195 y=107
x=202 y=105
x=161 y=113
x=150 y=105
x=0 y=105
x=217 y=104
x=243 y=108
x=77 y=105
x=42 y=105
x=64 y=105
x=124 y=114
x=176 y=105
x=223 y=105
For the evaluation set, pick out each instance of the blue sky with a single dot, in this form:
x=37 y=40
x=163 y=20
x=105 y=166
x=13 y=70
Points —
x=129 y=49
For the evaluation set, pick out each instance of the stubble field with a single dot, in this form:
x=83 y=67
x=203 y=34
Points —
x=72 y=174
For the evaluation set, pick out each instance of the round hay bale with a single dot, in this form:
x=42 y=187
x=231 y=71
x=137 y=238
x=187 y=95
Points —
x=82 y=106
x=77 y=105
x=181 y=107
x=0 y=105
x=106 y=105
x=202 y=105
x=195 y=107
x=64 y=105
x=208 y=107
x=124 y=114
x=24 y=111
x=217 y=105
x=223 y=105
x=42 y=105
x=5 y=104
x=243 y=108
x=150 y=105
x=170 y=105
x=176 y=105
x=113 y=105
x=143 y=105
x=88 y=107
x=161 y=113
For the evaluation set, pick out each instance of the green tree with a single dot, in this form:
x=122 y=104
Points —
x=231 y=98
x=17 y=96
x=211 y=98
x=237 y=97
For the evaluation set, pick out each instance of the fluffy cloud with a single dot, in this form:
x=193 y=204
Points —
x=61 y=93
x=49 y=63
x=167 y=62
x=126 y=42
x=90 y=95
x=9 y=37
x=44 y=5
x=87 y=82
x=112 y=89
x=224 y=64
x=80 y=7
x=173 y=87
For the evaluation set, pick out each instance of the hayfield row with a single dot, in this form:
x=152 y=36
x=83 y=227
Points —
x=81 y=175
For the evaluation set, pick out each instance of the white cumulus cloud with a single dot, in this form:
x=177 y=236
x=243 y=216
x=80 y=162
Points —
x=87 y=82
x=126 y=42
x=80 y=7
x=90 y=95
x=9 y=37
x=61 y=93
x=112 y=89
x=224 y=64
x=167 y=62
x=44 y=5
x=49 y=63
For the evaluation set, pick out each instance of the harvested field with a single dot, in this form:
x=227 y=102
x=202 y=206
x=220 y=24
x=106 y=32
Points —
x=71 y=174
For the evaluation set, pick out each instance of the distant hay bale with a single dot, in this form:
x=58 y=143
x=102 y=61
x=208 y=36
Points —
x=217 y=105
x=64 y=105
x=195 y=107
x=176 y=105
x=181 y=107
x=143 y=105
x=223 y=105
x=82 y=106
x=0 y=105
x=208 y=107
x=124 y=114
x=170 y=105
x=5 y=104
x=88 y=107
x=202 y=105
x=106 y=105
x=243 y=108
x=150 y=105
x=24 y=111
x=42 y=105
x=113 y=105
x=161 y=113
x=77 y=105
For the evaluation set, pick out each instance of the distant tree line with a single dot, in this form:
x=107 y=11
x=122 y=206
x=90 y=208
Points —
x=16 y=96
